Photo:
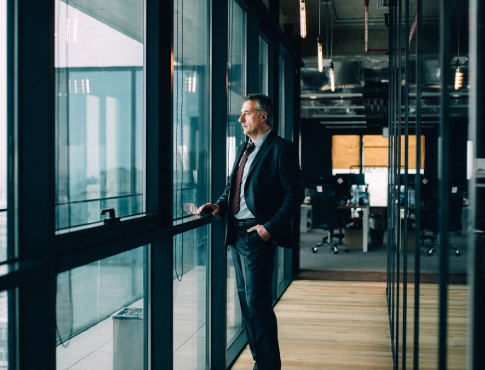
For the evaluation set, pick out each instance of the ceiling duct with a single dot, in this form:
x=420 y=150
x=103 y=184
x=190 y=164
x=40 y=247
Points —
x=382 y=4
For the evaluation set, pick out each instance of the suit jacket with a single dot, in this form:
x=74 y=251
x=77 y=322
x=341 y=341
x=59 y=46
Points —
x=273 y=190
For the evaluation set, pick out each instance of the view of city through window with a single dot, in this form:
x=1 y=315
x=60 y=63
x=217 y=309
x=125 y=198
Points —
x=3 y=132
x=99 y=112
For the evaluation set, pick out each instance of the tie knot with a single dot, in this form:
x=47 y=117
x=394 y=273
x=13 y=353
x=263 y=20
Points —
x=250 y=147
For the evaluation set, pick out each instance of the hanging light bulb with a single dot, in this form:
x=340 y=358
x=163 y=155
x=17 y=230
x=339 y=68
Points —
x=302 y=18
x=458 y=76
x=320 y=53
x=332 y=77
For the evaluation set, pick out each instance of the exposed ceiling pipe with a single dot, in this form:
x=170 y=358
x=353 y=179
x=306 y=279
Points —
x=413 y=28
x=366 y=22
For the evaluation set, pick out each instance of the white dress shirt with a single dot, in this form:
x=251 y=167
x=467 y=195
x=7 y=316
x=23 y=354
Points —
x=244 y=213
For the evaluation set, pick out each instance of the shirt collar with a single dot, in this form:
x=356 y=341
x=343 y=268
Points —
x=260 y=140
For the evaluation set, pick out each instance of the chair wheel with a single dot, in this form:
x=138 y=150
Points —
x=457 y=253
x=314 y=249
x=346 y=250
x=335 y=251
x=430 y=252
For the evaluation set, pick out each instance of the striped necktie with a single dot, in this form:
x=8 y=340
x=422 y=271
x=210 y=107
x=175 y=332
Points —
x=235 y=194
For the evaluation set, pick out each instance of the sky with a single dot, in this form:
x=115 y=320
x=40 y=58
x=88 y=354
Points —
x=3 y=105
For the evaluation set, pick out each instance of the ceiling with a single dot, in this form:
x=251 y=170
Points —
x=360 y=98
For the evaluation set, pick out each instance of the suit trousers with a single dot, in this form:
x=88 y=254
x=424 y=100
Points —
x=254 y=264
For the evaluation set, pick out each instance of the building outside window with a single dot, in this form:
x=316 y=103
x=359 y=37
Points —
x=191 y=106
x=235 y=137
x=99 y=112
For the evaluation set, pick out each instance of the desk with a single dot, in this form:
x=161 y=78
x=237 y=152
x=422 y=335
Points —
x=365 y=223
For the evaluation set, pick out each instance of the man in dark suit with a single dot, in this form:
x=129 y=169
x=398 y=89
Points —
x=263 y=195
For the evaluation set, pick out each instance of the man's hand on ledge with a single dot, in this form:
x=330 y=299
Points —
x=263 y=234
x=210 y=208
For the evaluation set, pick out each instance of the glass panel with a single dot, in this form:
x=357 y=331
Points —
x=263 y=66
x=282 y=121
x=281 y=266
x=99 y=111
x=3 y=131
x=100 y=313
x=191 y=106
x=235 y=137
x=236 y=79
x=3 y=330
x=190 y=279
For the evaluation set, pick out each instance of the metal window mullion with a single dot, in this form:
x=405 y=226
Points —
x=158 y=114
x=217 y=253
x=443 y=158
x=417 y=241
x=406 y=190
x=34 y=168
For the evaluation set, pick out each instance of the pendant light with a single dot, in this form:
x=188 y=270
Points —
x=302 y=18
x=319 y=40
x=458 y=73
x=331 y=73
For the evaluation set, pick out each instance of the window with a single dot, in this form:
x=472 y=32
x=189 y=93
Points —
x=3 y=330
x=99 y=111
x=100 y=313
x=3 y=131
x=263 y=66
x=190 y=276
x=282 y=121
x=236 y=79
x=235 y=137
x=191 y=106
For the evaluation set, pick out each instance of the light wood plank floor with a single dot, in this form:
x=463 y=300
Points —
x=329 y=325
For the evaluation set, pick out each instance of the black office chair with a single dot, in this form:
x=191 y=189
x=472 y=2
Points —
x=429 y=221
x=326 y=215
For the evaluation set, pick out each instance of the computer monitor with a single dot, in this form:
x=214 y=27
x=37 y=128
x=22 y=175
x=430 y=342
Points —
x=342 y=186
x=357 y=179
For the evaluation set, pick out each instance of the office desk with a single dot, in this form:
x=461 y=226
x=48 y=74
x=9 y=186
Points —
x=365 y=223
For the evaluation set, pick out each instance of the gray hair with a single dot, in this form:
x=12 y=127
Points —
x=264 y=104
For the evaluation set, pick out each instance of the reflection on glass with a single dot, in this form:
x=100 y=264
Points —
x=3 y=131
x=190 y=276
x=236 y=79
x=281 y=266
x=263 y=66
x=235 y=137
x=99 y=111
x=191 y=103
x=3 y=330
x=100 y=318
x=282 y=121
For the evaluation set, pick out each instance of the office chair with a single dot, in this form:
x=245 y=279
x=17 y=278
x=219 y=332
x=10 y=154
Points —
x=326 y=215
x=429 y=221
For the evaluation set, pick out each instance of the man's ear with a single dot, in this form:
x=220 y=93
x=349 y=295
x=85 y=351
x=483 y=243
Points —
x=264 y=117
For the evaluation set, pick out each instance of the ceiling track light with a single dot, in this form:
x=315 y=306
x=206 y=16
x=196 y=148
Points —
x=302 y=18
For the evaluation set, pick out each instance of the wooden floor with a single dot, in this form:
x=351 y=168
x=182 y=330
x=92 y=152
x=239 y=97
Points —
x=331 y=325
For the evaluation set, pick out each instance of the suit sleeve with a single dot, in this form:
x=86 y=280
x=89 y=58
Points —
x=223 y=200
x=293 y=190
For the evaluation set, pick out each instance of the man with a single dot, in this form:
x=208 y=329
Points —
x=263 y=195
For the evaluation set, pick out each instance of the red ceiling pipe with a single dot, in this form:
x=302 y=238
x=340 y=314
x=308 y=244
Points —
x=413 y=28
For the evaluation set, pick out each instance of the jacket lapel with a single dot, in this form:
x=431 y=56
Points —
x=264 y=147
x=239 y=154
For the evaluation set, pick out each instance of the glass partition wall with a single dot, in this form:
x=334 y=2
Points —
x=107 y=139
x=236 y=91
x=434 y=283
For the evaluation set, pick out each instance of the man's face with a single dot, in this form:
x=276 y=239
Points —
x=253 y=124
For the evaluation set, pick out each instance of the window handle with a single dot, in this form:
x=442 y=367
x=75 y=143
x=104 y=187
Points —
x=111 y=215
